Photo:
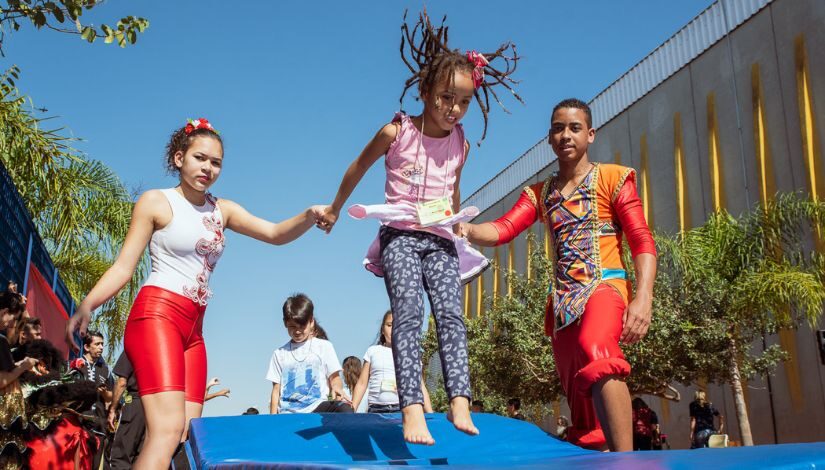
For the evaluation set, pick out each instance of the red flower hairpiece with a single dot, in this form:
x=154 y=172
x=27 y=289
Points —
x=480 y=62
x=78 y=363
x=201 y=123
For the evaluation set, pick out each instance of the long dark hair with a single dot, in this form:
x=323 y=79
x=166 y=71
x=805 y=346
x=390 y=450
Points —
x=381 y=339
x=352 y=370
x=299 y=309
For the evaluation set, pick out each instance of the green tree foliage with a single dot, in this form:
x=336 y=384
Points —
x=65 y=16
x=731 y=282
x=80 y=207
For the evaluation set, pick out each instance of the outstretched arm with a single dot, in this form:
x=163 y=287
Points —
x=281 y=233
x=140 y=232
x=505 y=228
x=379 y=145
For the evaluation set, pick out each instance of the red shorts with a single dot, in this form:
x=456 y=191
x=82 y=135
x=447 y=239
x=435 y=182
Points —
x=585 y=353
x=164 y=342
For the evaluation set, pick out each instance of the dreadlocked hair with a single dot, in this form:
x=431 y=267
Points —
x=426 y=54
x=180 y=141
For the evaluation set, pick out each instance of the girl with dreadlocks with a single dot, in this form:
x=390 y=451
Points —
x=416 y=247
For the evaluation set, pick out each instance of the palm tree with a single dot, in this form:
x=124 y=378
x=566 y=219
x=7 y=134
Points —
x=754 y=266
x=79 y=206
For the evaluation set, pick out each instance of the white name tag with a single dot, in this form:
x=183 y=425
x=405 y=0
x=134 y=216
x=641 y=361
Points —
x=432 y=212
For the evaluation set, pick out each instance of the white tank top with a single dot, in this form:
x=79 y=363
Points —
x=184 y=252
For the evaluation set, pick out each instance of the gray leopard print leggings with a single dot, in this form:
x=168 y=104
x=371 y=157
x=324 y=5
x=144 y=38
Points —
x=414 y=260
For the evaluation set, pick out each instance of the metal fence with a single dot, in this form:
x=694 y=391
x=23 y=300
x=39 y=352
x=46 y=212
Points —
x=20 y=244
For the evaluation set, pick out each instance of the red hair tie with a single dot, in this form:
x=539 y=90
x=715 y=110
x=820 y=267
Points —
x=201 y=123
x=480 y=62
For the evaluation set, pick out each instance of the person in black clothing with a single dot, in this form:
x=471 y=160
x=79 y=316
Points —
x=129 y=431
x=701 y=420
x=513 y=409
x=95 y=369
x=645 y=426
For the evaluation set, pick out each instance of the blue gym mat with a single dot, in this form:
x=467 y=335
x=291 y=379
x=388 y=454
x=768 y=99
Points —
x=336 y=441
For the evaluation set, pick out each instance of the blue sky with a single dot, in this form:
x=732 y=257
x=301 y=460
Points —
x=297 y=89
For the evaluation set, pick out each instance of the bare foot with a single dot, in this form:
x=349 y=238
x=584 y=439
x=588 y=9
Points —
x=459 y=415
x=415 y=426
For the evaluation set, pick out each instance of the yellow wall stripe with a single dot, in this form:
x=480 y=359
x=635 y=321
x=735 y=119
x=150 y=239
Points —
x=716 y=168
x=682 y=199
x=645 y=189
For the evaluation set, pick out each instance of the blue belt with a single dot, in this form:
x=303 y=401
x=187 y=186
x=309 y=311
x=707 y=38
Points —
x=613 y=274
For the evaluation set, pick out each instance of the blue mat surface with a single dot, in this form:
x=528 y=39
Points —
x=336 y=441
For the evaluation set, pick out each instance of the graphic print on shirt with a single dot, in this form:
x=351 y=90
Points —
x=415 y=175
x=301 y=386
x=211 y=251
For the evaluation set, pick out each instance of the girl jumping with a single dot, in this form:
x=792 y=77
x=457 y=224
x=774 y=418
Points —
x=424 y=158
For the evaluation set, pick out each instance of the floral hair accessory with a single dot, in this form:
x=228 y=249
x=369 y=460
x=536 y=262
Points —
x=78 y=363
x=479 y=61
x=201 y=123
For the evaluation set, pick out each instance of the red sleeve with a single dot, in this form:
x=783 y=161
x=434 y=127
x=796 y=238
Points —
x=631 y=216
x=520 y=216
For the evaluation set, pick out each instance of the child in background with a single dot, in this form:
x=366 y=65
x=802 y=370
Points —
x=305 y=370
x=378 y=376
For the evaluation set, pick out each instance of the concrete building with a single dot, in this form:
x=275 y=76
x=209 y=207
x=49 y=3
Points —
x=724 y=114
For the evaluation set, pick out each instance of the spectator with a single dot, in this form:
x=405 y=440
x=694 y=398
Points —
x=251 y=411
x=95 y=369
x=562 y=423
x=305 y=370
x=477 y=406
x=377 y=378
x=351 y=371
x=645 y=425
x=12 y=306
x=32 y=329
x=514 y=409
x=701 y=420
x=130 y=429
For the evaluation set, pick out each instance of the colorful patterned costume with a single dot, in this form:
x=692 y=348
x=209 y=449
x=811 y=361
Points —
x=589 y=290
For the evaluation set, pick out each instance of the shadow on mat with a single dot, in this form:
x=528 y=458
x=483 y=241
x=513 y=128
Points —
x=356 y=436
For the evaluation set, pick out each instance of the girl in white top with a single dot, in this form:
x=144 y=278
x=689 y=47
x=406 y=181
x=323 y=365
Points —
x=183 y=227
x=378 y=376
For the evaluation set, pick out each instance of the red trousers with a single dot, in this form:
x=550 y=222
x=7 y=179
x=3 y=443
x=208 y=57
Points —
x=586 y=352
x=164 y=342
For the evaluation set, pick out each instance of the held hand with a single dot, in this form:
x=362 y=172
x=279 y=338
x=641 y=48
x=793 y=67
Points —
x=636 y=320
x=326 y=219
x=223 y=393
x=462 y=229
x=78 y=322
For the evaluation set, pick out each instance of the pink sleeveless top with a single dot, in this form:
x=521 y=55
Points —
x=421 y=168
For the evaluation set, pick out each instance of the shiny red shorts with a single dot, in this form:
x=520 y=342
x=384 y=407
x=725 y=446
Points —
x=164 y=342
x=587 y=352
